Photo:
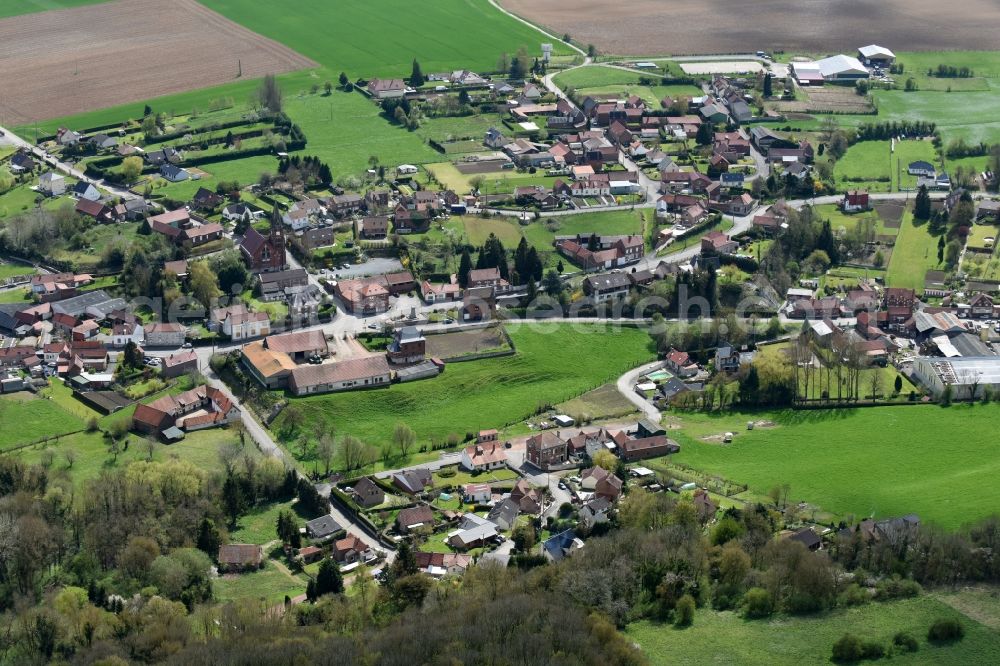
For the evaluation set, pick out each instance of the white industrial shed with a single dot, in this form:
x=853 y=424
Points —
x=873 y=54
x=960 y=373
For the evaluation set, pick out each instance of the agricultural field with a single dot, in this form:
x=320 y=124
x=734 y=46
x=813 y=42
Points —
x=366 y=39
x=463 y=343
x=914 y=254
x=883 y=462
x=639 y=28
x=489 y=393
x=870 y=165
x=78 y=53
x=600 y=403
x=608 y=81
x=726 y=638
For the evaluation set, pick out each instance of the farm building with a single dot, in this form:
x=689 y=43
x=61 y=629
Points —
x=834 y=69
x=964 y=375
x=876 y=55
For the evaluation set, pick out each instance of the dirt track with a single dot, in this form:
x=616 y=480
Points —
x=650 y=27
x=67 y=61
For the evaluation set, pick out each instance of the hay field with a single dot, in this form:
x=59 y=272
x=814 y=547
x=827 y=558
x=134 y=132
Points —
x=84 y=58
x=648 y=27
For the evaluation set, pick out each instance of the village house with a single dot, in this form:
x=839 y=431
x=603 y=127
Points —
x=198 y=408
x=179 y=364
x=413 y=481
x=716 y=242
x=855 y=201
x=323 y=529
x=479 y=304
x=648 y=441
x=185 y=229
x=239 y=323
x=356 y=373
x=52 y=184
x=372 y=227
x=504 y=514
x=367 y=493
x=679 y=363
x=477 y=493
x=485 y=456
x=160 y=334
x=606 y=286
x=273 y=285
x=363 y=297
x=546 y=450
x=351 y=549
x=386 y=88
x=414 y=518
x=595 y=512
x=238 y=557
x=601 y=482
x=408 y=346
x=488 y=277
x=439 y=293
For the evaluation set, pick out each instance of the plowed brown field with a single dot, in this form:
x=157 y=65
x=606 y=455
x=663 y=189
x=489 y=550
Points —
x=67 y=61
x=649 y=27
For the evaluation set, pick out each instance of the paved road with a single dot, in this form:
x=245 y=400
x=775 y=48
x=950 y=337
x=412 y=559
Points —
x=626 y=386
x=64 y=167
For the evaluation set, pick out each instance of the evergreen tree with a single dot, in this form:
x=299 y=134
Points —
x=521 y=267
x=532 y=293
x=704 y=135
x=232 y=499
x=416 y=76
x=828 y=243
x=749 y=387
x=311 y=591
x=941 y=245
x=534 y=263
x=922 y=204
x=209 y=538
x=768 y=91
x=343 y=80
x=464 y=267
x=328 y=578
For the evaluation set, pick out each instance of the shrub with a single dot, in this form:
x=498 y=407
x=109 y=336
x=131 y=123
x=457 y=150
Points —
x=684 y=611
x=847 y=649
x=946 y=630
x=896 y=588
x=854 y=595
x=757 y=603
x=872 y=650
x=905 y=642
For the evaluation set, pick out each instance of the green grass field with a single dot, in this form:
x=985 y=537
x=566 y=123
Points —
x=553 y=363
x=726 y=638
x=28 y=417
x=10 y=8
x=602 y=402
x=886 y=461
x=881 y=171
x=913 y=255
x=382 y=38
x=15 y=270
x=269 y=584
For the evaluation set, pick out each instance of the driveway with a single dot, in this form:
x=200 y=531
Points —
x=626 y=386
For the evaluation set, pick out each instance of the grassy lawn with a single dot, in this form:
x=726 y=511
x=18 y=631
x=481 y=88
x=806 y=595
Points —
x=882 y=171
x=13 y=270
x=269 y=584
x=260 y=525
x=29 y=417
x=914 y=254
x=885 y=461
x=608 y=81
x=200 y=448
x=982 y=237
x=363 y=39
x=726 y=638
x=553 y=363
x=847 y=222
